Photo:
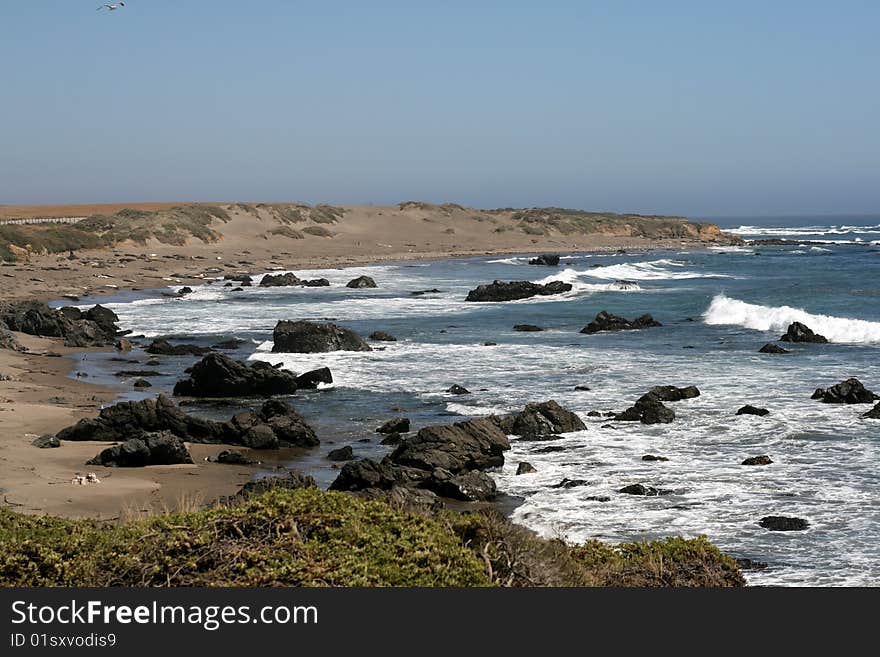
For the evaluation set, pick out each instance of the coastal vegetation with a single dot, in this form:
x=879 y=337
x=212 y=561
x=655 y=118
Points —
x=307 y=537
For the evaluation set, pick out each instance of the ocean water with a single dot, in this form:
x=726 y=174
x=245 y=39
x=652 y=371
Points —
x=718 y=306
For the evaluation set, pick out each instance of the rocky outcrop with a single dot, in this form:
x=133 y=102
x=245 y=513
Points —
x=605 y=321
x=784 y=524
x=472 y=445
x=546 y=259
x=165 y=348
x=515 y=290
x=537 y=421
x=95 y=327
x=311 y=337
x=850 y=391
x=748 y=409
x=395 y=425
x=382 y=336
x=771 y=348
x=276 y=424
x=361 y=282
x=218 y=375
x=312 y=379
x=149 y=449
x=758 y=460
x=798 y=332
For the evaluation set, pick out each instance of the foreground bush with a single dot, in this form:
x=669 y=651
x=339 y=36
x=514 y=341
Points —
x=312 y=538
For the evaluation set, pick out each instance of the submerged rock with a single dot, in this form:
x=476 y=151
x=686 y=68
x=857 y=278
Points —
x=165 y=348
x=784 y=524
x=798 y=332
x=395 y=425
x=758 y=460
x=313 y=337
x=647 y=410
x=605 y=321
x=547 y=260
x=382 y=336
x=218 y=375
x=458 y=390
x=527 y=328
x=515 y=290
x=652 y=457
x=771 y=348
x=850 y=391
x=361 y=282
x=640 y=489
x=525 y=468
x=748 y=409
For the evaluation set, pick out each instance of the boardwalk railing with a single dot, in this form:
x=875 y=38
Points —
x=40 y=220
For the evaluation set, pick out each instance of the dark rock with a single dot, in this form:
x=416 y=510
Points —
x=149 y=449
x=571 y=483
x=361 y=282
x=640 y=489
x=47 y=441
x=342 y=454
x=594 y=414
x=238 y=278
x=381 y=336
x=472 y=445
x=458 y=390
x=527 y=328
x=748 y=409
x=598 y=498
x=850 y=391
x=470 y=486
x=798 y=332
x=289 y=481
x=93 y=328
x=395 y=425
x=229 y=345
x=279 y=280
x=605 y=321
x=392 y=439
x=647 y=410
x=547 y=259
x=873 y=414
x=142 y=383
x=544 y=419
x=127 y=374
x=419 y=293
x=525 y=468
x=758 y=460
x=582 y=388
x=165 y=348
x=651 y=457
x=771 y=348
x=366 y=474
x=230 y=457
x=218 y=375
x=316 y=282
x=515 y=290
x=784 y=524
x=671 y=393
x=490 y=344
x=185 y=290
x=311 y=337
x=310 y=380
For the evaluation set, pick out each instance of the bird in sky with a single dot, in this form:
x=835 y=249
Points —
x=112 y=7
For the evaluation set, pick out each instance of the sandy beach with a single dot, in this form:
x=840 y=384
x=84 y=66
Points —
x=41 y=397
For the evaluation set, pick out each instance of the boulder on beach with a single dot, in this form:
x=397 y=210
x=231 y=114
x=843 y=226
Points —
x=382 y=336
x=232 y=457
x=515 y=290
x=606 y=321
x=850 y=391
x=95 y=327
x=312 y=379
x=546 y=259
x=165 y=348
x=527 y=328
x=279 y=280
x=361 y=282
x=748 y=409
x=798 y=332
x=395 y=425
x=784 y=524
x=312 y=337
x=218 y=375
x=162 y=448
x=771 y=348
x=758 y=460
x=47 y=441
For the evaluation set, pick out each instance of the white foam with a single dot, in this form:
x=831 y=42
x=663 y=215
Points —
x=576 y=278
x=776 y=231
x=651 y=270
x=724 y=310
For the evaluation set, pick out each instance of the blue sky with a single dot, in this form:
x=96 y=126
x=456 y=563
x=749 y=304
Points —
x=697 y=108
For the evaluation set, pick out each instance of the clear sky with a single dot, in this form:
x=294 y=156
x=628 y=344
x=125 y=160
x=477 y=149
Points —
x=692 y=107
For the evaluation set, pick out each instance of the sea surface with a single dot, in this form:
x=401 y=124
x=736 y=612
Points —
x=718 y=306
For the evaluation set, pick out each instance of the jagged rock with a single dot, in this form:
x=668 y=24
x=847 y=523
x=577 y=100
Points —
x=95 y=327
x=472 y=486
x=547 y=259
x=142 y=383
x=771 y=348
x=279 y=280
x=571 y=483
x=798 y=332
x=850 y=391
x=218 y=375
x=784 y=524
x=605 y=321
x=527 y=328
x=652 y=457
x=757 y=460
x=458 y=390
x=312 y=337
x=361 y=282
x=149 y=449
x=515 y=290
x=382 y=336
x=873 y=414
x=342 y=454
x=47 y=441
x=165 y=348
x=647 y=410
x=640 y=489
x=310 y=380
x=472 y=445
x=544 y=419
x=231 y=457
x=395 y=425
x=525 y=468
x=748 y=409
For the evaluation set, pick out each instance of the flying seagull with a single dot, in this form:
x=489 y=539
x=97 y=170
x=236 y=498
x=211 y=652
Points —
x=113 y=7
